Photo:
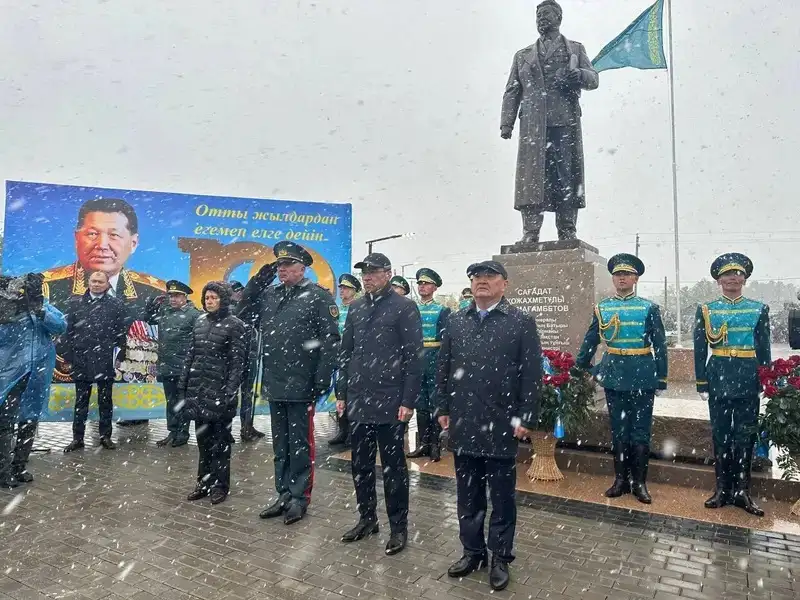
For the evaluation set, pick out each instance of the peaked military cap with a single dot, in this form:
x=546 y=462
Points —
x=291 y=251
x=487 y=266
x=732 y=261
x=375 y=260
x=466 y=293
x=625 y=263
x=401 y=282
x=176 y=287
x=426 y=275
x=351 y=281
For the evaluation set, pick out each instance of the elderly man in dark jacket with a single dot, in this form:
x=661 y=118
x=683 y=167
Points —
x=299 y=342
x=210 y=384
x=175 y=316
x=379 y=380
x=96 y=324
x=489 y=379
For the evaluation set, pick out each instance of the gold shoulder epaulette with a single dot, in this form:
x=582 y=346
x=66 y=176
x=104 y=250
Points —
x=148 y=280
x=62 y=272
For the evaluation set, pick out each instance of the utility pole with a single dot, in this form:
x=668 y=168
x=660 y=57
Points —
x=636 y=253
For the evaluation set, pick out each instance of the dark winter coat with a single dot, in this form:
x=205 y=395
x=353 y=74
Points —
x=175 y=326
x=299 y=338
x=215 y=362
x=489 y=373
x=380 y=363
x=95 y=326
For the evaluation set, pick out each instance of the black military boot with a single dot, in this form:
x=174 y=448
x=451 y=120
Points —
x=166 y=441
x=621 y=484
x=423 y=432
x=26 y=432
x=342 y=436
x=722 y=495
x=741 y=495
x=641 y=459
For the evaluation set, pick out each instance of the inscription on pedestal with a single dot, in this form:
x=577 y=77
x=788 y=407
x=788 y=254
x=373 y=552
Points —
x=551 y=309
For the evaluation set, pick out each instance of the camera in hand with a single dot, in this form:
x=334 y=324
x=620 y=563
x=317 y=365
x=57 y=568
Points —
x=20 y=295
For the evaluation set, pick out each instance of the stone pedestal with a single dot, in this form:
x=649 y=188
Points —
x=558 y=282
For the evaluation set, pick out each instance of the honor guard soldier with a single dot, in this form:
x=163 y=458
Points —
x=632 y=371
x=434 y=320
x=349 y=287
x=737 y=331
x=466 y=299
x=175 y=317
x=400 y=285
x=299 y=343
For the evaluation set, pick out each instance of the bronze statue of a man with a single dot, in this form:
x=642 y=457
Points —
x=543 y=88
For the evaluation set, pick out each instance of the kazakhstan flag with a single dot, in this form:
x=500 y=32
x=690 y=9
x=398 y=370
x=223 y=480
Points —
x=640 y=46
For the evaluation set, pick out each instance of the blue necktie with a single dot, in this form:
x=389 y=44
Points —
x=483 y=314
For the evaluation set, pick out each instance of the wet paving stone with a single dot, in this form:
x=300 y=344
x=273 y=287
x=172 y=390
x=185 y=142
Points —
x=105 y=525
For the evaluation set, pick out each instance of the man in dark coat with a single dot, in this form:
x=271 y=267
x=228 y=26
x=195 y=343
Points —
x=209 y=385
x=175 y=316
x=299 y=341
x=544 y=88
x=379 y=379
x=489 y=381
x=96 y=324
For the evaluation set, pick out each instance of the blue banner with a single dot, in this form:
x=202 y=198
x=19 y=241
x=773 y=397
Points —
x=640 y=45
x=142 y=239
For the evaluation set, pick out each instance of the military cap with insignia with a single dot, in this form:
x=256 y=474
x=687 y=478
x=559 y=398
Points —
x=731 y=261
x=351 y=281
x=375 y=260
x=486 y=266
x=178 y=287
x=401 y=283
x=625 y=263
x=289 y=251
x=426 y=275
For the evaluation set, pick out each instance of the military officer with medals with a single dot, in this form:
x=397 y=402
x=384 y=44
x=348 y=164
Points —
x=400 y=285
x=434 y=320
x=736 y=330
x=632 y=371
x=349 y=288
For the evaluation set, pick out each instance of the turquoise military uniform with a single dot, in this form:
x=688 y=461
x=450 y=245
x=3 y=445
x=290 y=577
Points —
x=633 y=366
x=736 y=335
x=346 y=280
x=343 y=310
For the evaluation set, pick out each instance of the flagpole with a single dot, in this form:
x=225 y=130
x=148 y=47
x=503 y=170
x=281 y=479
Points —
x=670 y=70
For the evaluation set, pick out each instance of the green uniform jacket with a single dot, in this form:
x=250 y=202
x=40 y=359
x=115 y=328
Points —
x=175 y=326
x=639 y=327
x=734 y=326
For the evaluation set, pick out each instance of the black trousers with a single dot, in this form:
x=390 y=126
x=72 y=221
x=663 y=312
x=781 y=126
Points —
x=473 y=474
x=247 y=390
x=9 y=415
x=734 y=429
x=176 y=415
x=294 y=448
x=214 y=465
x=366 y=439
x=83 y=392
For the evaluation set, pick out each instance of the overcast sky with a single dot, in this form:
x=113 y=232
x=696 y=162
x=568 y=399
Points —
x=394 y=107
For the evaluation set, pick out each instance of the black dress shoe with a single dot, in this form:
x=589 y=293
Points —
x=360 y=531
x=498 y=575
x=74 y=445
x=165 y=441
x=294 y=513
x=218 y=495
x=106 y=443
x=276 y=510
x=23 y=476
x=198 y=493
x=743 y=500
x=9 y=482
x=422 y=450
x=179 y=441
x=720 y=498
x=396 y=543
x=467 y=564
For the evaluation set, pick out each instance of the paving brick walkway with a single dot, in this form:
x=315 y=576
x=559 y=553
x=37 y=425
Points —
x=102 y=524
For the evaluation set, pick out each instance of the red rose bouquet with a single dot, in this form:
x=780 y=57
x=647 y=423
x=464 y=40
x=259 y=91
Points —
x=567 y=394
x=781 y=420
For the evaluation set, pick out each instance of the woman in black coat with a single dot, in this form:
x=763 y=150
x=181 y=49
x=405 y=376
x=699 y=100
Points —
x=209 y=385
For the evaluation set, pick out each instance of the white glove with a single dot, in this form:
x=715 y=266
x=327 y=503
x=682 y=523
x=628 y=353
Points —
x=704 y=396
